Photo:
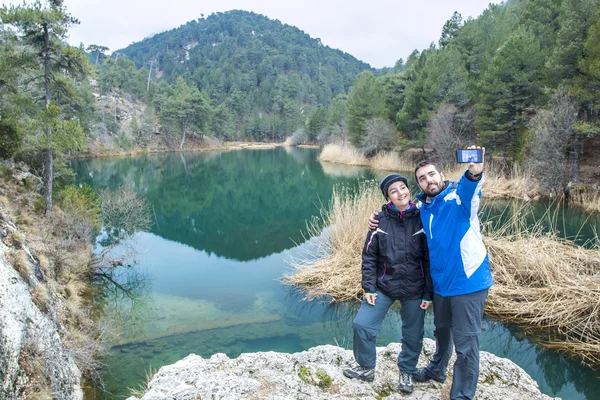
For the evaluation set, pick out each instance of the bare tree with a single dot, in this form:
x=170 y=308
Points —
x=450 y=129
x=379 y=136
x=553 y=141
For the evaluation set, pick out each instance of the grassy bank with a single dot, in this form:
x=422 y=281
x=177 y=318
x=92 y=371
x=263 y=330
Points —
x=160 y=146
x=59 y=252
x=544 y=283
x=499 y=182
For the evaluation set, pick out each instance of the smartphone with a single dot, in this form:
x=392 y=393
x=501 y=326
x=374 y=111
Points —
x=469 y=155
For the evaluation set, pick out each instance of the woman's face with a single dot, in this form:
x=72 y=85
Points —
x=399 y=195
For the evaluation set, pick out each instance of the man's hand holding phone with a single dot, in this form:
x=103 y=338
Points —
x=476 y=168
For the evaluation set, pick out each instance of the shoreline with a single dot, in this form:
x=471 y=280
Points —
x=228 y=146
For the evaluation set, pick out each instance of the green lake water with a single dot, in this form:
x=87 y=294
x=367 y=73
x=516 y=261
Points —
x=206 y=277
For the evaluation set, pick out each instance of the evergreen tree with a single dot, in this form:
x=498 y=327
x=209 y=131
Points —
x=44 y=27
x=509 y=90
x=365 y=101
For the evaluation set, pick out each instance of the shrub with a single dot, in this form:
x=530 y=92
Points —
x=299 y=137
x=18 y=259
x=550 y=147
x=83 y=206
x=124 y=213
x=6 y=172
x=10 y=139
x=379 y=136
x=40 y=297
x=449 y=129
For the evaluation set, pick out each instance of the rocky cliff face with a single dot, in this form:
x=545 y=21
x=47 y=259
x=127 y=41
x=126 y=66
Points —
x=317 y=374
x=32 y=356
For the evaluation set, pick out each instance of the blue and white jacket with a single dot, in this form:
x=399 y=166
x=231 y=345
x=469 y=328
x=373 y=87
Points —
x=458 y=259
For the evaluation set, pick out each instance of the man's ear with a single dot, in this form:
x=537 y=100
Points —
x=442 y=175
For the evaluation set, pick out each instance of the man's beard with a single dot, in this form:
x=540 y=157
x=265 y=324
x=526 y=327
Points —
x=436 y=187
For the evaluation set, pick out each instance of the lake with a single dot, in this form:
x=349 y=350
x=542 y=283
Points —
x=206 y=276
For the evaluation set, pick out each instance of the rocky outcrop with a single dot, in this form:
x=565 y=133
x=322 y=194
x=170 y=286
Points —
x=317 y=374
x=32 y=356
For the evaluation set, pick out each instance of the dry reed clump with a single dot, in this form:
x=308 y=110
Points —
x=348 y=154
x=549 y=284
x=331 y=264
x=589 y=200
x=390 y=161
x=342 y=154
x=516 y=184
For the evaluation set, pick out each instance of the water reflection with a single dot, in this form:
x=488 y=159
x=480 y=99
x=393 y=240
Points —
x=241 y=205
x=224 y=223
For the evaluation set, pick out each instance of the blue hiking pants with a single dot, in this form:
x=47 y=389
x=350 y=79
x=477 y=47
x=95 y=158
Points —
x=457 y=321
x=368 y=322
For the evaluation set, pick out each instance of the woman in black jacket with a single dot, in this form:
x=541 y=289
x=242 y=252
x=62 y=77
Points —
x=395 y=266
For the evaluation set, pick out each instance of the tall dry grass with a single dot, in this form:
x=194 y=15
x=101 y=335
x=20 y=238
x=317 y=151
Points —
x=547 y=284
x=499 y=183
x=348 y=154
x=331 y=263
x=343 y=154
x=589 y=200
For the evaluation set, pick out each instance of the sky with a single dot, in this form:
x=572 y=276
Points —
x=378 y=33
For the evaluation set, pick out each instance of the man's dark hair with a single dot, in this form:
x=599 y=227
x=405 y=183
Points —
x=424 y=163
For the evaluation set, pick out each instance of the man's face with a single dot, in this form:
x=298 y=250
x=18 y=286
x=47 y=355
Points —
x=430 y=180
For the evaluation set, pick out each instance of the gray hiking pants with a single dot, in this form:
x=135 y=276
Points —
x=457 y=321
x=368 y=322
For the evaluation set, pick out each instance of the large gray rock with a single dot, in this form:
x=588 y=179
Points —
x=316 y=374
x=29 y=339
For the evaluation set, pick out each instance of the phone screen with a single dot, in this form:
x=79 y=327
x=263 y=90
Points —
x=469 y=156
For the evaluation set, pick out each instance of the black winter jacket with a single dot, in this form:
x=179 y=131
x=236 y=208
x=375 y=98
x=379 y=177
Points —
x=395 y=259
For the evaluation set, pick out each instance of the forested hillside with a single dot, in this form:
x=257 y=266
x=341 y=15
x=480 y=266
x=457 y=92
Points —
x=273 y=65
x=233 y=75
x=522 y=79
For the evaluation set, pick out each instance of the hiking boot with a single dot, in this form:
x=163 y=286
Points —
x=362 y=373
x=424 y=375
x=406 y=384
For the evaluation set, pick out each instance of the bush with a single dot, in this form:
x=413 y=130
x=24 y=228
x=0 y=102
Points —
x=10 y=139
x=299 y=137
x=83 y=207
x=124 y=213
x=379 y=136
x=550 y=145
x=449 y=129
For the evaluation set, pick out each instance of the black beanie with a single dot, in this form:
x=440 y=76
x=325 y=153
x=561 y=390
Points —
x=388 y=180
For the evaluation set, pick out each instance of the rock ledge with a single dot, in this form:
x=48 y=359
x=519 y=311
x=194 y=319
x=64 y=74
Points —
x=316 y=374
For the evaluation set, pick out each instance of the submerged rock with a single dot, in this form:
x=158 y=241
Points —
x=316 y=374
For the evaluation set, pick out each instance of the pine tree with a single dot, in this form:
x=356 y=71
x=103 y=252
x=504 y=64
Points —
x=44 y=26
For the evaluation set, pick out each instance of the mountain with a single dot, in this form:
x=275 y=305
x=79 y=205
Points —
x=250 y=64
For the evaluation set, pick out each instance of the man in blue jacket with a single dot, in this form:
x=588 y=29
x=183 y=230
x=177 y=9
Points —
x=460 y=272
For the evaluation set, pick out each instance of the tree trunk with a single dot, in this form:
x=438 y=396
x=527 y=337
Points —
x=149 y=73
x=49 y=153
x=183 y=136
x=115 y=99
x=49 y=179
x=577 y=153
